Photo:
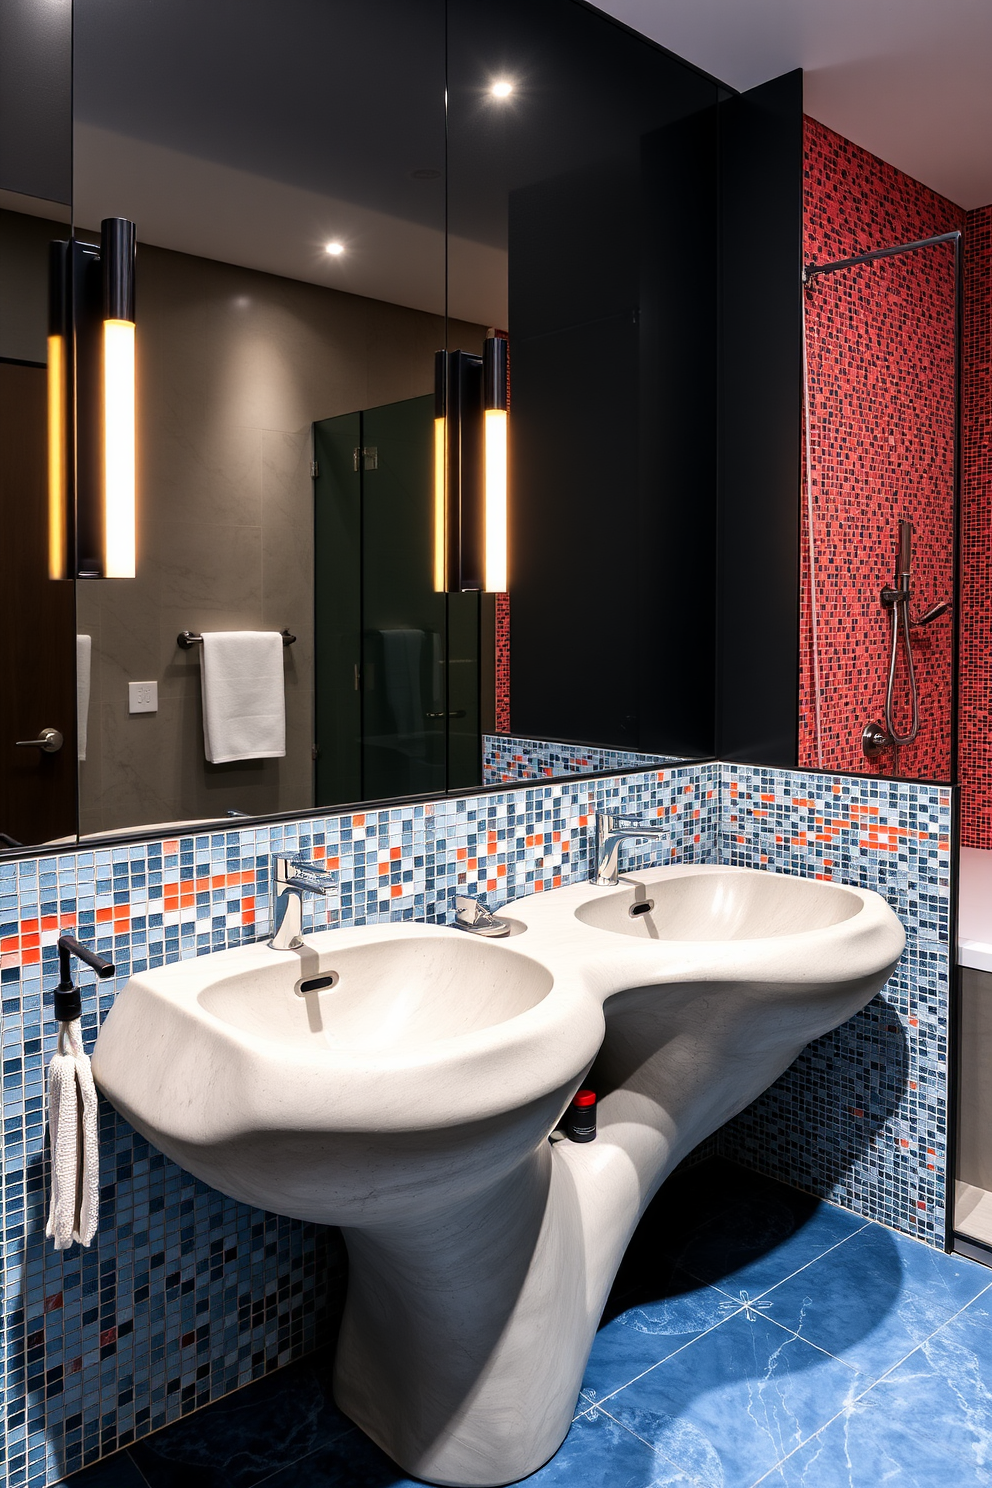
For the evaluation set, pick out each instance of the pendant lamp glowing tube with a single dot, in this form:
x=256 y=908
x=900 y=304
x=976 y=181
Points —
x=440 y=477
x=58 y=446
x=494 y=359
x=117 y=253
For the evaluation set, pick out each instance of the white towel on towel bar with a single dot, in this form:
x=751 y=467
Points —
x=74 y=1135
x=244 y=696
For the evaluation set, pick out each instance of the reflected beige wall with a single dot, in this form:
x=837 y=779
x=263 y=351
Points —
x=24 y=244
x=233 y=368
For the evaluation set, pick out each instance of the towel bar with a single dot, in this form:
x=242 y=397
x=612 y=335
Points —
x=189 y=638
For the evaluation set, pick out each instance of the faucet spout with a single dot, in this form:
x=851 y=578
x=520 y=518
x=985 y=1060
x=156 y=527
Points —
x=291 y=879
x=611 y=830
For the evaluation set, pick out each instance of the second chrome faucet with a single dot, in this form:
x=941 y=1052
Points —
x=611 y=830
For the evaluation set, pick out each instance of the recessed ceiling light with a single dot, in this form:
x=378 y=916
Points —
x=335 y=249
x=502 y=89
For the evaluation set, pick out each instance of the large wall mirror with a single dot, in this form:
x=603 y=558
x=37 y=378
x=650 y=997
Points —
x=326 y=196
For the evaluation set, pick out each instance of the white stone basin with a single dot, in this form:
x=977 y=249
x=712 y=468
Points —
x=720 y=904
x=413 y=1080
x=394 y=995
x=410 y=1101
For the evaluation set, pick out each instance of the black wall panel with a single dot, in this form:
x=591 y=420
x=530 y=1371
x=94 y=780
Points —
x=612 y=317
x=36 y=98
x=759 y=423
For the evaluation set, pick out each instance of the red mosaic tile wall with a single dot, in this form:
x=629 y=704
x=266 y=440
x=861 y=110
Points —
x=881 y=371
x=975 y=698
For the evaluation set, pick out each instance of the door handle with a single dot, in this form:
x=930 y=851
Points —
x=51 y=741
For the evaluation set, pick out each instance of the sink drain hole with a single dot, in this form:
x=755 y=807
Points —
x=643 y=906
x=317 y=984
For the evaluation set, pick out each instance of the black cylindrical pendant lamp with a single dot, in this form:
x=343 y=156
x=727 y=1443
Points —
x=494 y=368
x=471 y=398
x=118 y=243
x=495 y=402
x=60 y=537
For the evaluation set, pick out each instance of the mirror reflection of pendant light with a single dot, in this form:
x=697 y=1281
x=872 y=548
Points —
x=59 y=562
x=470 y=469
x=494 y=371
x=440 y=474
x=102 y=444
x=117 y=254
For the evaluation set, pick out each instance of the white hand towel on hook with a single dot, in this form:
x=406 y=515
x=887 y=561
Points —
x=244 y=696
x=74 y=1134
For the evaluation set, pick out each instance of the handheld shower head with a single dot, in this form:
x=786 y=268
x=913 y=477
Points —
x=904 y=560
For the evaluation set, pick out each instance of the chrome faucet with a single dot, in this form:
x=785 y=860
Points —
x=291 y=879
x=472 y=915
x=611 y=830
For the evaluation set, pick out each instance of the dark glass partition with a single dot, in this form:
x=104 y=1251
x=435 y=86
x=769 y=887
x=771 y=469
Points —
x=326 y=193
x=582 y=163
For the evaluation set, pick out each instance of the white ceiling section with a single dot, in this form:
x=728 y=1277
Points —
x=909 y=80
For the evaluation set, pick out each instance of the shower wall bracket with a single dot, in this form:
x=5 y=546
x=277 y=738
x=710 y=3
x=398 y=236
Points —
x=874 y=740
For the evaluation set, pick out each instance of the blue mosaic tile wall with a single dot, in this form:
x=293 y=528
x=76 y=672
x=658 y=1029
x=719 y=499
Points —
x=861 y=1117
x=185 y=1295
x=506 y=758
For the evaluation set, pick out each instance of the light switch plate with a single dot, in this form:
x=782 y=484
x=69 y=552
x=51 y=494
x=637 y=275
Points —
x=142 y=697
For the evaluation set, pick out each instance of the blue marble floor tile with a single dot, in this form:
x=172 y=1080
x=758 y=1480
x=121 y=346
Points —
x=926 y=1424
x=680 y=1310
x=245 y=1437
x=942 y=1394
x=873 y=1299
x=861 y=1449
x=736 y=1401
x=117 y=1471
x=764 y=1237
x=597 y=1453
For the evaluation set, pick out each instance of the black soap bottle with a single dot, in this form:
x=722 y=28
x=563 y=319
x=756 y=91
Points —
x=580 y=1118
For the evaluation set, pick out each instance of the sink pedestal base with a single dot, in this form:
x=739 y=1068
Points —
x=466 y=1331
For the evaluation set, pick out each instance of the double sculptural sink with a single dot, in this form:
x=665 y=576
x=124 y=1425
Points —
x=402 y=1080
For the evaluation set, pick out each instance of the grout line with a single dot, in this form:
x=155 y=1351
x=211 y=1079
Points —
x=799 y=1269
x=875 y=1383
x=658 y=1362
x=127 y=1453
x=796 y=1334
x=742 y=1308
x=283 y=1466
x=801 y=1337
x=656 y=1450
